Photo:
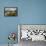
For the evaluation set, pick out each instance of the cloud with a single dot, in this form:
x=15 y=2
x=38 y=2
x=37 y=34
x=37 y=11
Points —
x=10 y=9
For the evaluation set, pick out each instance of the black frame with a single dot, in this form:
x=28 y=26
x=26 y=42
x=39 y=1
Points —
x=11 y=7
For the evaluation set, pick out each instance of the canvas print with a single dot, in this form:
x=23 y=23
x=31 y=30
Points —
x=10 y=11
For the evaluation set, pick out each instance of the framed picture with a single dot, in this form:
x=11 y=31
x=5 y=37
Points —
x=33 y=32
x=10 y=11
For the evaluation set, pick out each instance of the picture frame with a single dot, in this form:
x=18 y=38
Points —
x=34 y=30
x=10 y=11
